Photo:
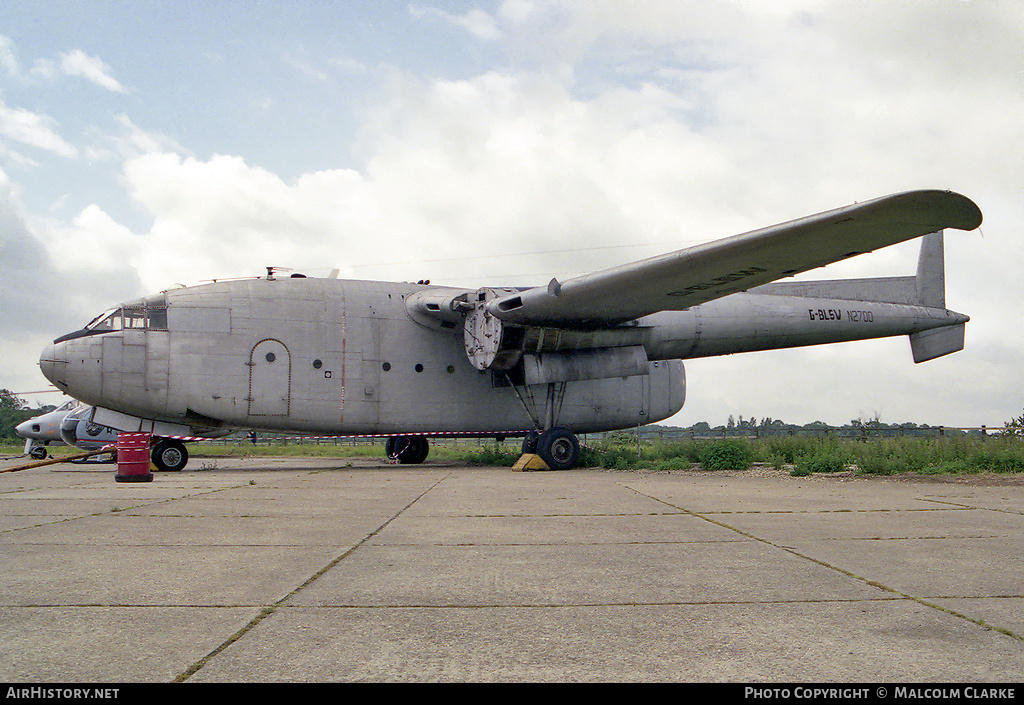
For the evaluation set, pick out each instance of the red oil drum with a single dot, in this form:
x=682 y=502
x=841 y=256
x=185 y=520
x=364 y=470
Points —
x=133 y=458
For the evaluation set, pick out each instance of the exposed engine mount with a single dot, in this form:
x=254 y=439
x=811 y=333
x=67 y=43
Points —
x=490 y=343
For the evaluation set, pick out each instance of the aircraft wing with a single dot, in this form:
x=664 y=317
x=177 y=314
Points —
x=692 y=276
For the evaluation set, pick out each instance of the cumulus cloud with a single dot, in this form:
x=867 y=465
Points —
x=223 y=217
x=94 y=243
x=478 y=23
x=33 y=130
x=74 y=62
x=8 y=61
x=516 y=163
x=77 y=63
x=133 y=140
x=47 y=290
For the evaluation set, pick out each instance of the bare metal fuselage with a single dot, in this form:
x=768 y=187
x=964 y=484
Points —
x=328 y=356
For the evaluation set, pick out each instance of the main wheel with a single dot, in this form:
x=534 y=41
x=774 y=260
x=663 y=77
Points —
x=408 y=450
x=169 y=455
x=530 y=442
x=559 y=448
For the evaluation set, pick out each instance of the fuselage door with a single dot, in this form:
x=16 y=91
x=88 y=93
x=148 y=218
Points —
x=270 y=377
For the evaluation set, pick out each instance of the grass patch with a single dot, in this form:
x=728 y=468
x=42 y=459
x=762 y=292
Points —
x=957 y=455
x=502 y=456
x=807 y=455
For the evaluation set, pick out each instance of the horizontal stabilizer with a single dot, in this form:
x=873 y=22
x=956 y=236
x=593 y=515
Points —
x=927 y=288
x=930 y=344
x=893 y=290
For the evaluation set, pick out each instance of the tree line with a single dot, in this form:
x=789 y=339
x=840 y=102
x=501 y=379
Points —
x=14 y=410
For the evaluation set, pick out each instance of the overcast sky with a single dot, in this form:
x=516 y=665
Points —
x=146 y=144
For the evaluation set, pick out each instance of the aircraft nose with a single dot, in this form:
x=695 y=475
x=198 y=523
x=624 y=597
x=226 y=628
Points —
x=47 y=362
x=53 y=363
x=24 y=428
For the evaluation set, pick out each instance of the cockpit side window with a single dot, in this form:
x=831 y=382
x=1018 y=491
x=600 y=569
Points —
x=133 y=318
x=158 y=318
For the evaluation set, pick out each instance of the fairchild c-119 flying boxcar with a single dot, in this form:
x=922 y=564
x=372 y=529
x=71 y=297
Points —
x=592 y=353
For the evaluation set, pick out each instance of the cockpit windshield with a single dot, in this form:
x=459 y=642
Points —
x=145 y=314
x=149 y=313
x=102 y=322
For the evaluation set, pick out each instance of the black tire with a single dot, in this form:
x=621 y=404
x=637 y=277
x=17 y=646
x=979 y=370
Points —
x=39 y=452
x=408 y=450
x=530 y=442
x=559 y=448
x=169 y=456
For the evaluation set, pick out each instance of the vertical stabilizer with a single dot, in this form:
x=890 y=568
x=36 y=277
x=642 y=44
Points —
x=931 y=272
x=931 y=293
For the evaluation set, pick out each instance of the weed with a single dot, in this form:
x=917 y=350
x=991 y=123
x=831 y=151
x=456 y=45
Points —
x=492 y=455
x=677 y=462
x=821 y=462
x=620 y=457
x=728 y=454
x=590 y=457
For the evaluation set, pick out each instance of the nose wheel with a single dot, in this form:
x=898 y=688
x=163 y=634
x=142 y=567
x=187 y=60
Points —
x=169 y=455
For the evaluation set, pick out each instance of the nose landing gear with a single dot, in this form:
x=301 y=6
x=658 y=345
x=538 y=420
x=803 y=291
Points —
x=169 y=455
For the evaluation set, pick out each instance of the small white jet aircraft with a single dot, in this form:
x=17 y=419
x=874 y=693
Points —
x=592 y=353
x=69 y=423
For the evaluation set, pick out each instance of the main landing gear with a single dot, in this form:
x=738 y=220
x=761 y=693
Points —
x=408 y=450
x=557 y=447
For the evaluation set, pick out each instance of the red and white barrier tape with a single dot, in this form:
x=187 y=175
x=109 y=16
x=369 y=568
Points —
x=429 y=434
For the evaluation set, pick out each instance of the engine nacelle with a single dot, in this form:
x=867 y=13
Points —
x=575 y=365
x=77 y=430
x=438 y=309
